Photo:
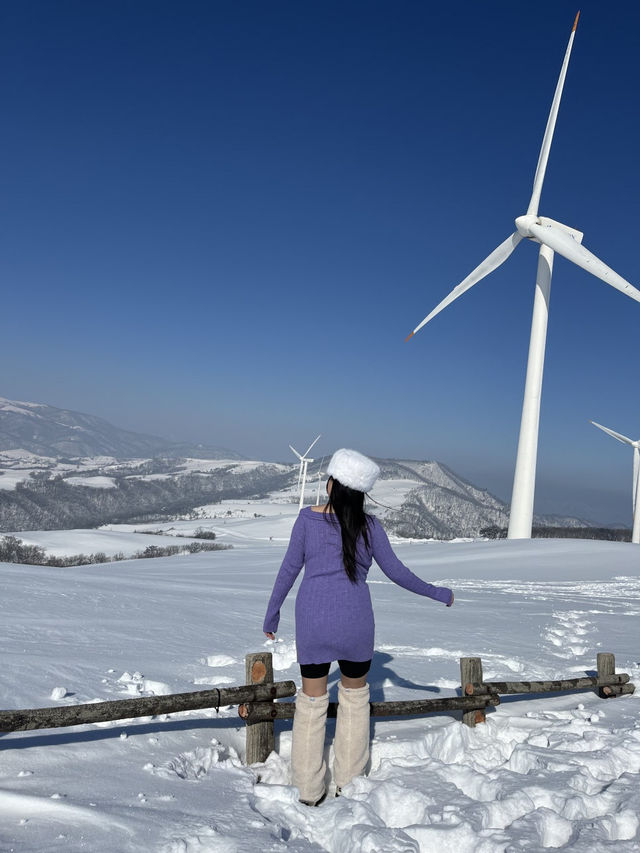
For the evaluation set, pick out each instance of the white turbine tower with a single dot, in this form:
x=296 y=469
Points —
x=553 y=237
x=635 y=535
x=302 y=473
x=321 y=474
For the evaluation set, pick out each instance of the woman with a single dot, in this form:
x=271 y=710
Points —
x=334 y=619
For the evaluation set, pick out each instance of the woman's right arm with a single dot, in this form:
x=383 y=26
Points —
x=289 y=571
x=396 y=570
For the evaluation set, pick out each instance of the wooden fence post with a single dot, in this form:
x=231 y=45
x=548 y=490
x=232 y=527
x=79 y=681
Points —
x=606 y=666
x=471 y=673
x=260 y=737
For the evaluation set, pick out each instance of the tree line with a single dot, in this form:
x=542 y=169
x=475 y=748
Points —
x=14 y=550
x=609 y=534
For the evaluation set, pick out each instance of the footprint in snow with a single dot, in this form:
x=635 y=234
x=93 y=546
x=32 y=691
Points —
x=568 y=634
x=197 y=763
x=138 y=685
x=218 y=660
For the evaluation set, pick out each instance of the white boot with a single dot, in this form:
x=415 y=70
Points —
x=307 y=749
x=351 y=746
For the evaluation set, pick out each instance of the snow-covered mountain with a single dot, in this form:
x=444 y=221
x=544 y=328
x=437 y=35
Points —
x=48 y=431
x=62 y=469
x=423 y=500
x=433 y=502
x=48 y=494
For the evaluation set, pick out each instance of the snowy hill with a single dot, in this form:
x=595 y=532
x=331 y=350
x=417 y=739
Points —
x=420 y=499
x=52 y=494
x=51 y=432
x=64 y=469
x=555 y=772
x=440 y=504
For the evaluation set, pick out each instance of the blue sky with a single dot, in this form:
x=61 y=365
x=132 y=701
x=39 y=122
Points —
x=220 y=220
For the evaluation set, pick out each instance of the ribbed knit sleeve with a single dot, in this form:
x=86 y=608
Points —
x=396 y=571
x=289 y=571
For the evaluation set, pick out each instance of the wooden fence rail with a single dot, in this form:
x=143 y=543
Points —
x=514 y=687
x=257 y=706
x=258 y=712
x=142 y=706
x=606 y=682
x=477 y=696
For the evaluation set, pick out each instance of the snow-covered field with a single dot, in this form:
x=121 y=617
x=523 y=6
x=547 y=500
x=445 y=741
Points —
x=560 y=772
x=17 y=466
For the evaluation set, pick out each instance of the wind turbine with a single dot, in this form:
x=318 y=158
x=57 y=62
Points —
x=635 y=535
x=321 y=474
x=553 y=237
x=302 y=473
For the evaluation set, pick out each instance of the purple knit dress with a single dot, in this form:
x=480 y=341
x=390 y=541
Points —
x=334 y=617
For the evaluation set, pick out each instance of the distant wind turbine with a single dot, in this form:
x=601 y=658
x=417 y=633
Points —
x=635 y=535
x=553 y=237
x=302 y=473
x=321 y=474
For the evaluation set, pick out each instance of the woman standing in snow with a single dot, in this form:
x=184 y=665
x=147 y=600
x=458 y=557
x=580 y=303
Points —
x=334 y=619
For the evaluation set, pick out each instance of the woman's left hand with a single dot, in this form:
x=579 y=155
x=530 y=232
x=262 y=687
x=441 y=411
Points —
x=270 y=635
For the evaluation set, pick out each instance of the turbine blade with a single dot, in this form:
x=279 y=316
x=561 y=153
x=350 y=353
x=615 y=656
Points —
x=543 y=157
x=566 y=246
x=311 y=445
x=622 y=438
x=492 y=262
x=636 y=474
x=295 y=451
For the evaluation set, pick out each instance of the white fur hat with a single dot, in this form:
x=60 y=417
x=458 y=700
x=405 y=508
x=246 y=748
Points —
x=353 y=469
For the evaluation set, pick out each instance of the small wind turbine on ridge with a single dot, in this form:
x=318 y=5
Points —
x=302 y=473
x=553 y=237
x=635 y=534
x=321 y=474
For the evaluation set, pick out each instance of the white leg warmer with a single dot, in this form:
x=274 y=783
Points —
x=351 y=745
x=307 y=750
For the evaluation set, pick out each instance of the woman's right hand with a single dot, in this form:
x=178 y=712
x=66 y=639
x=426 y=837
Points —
x=450 y=604
x=272 y=636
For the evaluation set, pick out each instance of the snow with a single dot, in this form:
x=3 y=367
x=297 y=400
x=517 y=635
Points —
x=23 y=456
x=392 y=493
x=10 y=479
x=63 y=543
x=92 y=482
x=16 y=406
x=189 y=465
x=542 y=773
x=238 y=523
x=16 y=466
x=206 y=466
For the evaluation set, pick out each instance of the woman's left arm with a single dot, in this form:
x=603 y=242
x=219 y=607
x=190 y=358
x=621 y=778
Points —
x=396 y=570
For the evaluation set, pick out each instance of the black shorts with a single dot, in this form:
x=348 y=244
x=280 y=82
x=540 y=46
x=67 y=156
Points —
x=349 y=668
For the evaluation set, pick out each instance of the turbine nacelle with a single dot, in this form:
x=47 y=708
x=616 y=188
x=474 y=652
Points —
x=524 y=223
x=526 y=227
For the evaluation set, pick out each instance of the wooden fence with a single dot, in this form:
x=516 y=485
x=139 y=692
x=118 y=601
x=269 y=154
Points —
x=259 y=710
x=477 y=695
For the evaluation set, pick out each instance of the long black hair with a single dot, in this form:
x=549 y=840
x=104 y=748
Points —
x=348 y=506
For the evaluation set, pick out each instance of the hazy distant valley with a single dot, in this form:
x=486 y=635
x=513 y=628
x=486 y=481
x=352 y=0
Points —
x=46 y=485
